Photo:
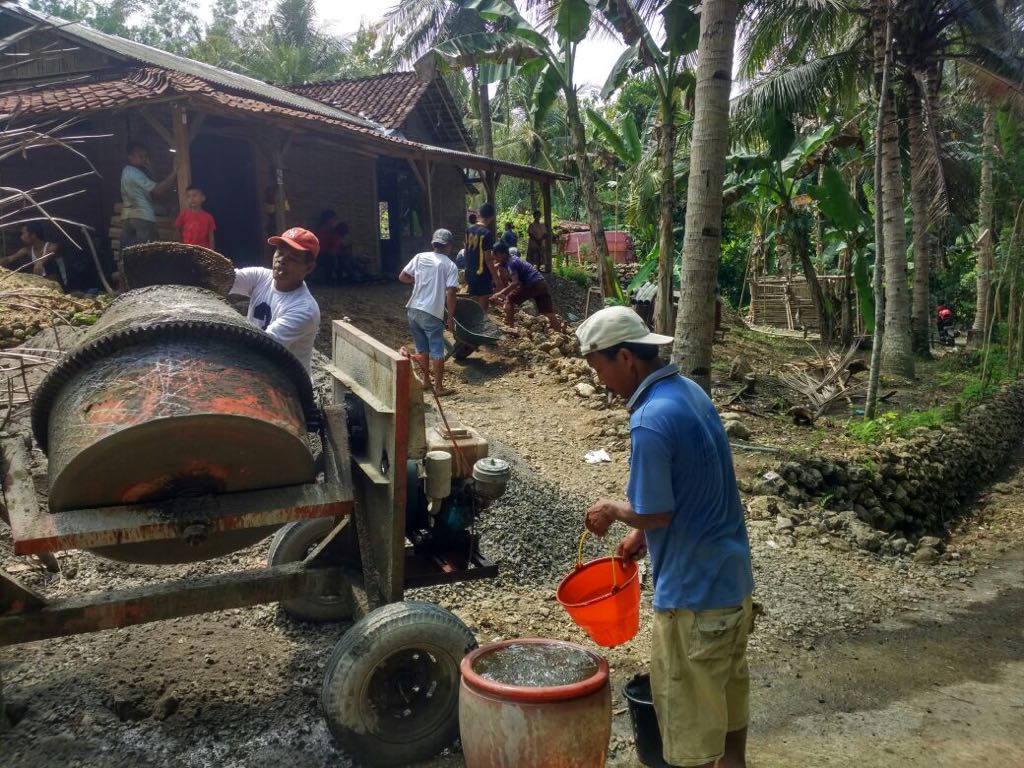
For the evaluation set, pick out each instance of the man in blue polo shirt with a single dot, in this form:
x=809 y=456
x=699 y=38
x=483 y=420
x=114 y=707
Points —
x=685 y=510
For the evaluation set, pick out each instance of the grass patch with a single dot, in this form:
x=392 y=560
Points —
x=893 y=424
x=570 y=270
x=953 y=372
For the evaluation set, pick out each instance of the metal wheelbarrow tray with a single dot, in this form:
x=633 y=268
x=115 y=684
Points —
x=473 y=329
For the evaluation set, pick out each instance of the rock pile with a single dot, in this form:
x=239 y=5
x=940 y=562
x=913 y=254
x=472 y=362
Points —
x=533 y=338
x=627 y=272
x=912 y=487
x=29 y=303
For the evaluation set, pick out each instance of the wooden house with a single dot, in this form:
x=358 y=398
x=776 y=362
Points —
x=388 y=154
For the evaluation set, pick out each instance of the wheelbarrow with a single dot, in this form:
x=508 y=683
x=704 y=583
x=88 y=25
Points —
x=472 y=329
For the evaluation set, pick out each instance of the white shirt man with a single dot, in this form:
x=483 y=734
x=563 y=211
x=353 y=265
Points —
x=279 y=301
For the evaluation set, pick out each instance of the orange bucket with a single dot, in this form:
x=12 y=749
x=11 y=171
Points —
x=603 y=598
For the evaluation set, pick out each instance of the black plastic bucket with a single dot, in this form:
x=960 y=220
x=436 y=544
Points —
x=646 y=735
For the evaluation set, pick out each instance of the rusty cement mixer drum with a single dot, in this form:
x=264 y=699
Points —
x=172 y=393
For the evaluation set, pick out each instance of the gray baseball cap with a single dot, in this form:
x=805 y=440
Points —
x=615 y=325
x=441 y=237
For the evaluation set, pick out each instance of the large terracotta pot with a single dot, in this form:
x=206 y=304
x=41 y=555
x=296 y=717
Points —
x=518 y=726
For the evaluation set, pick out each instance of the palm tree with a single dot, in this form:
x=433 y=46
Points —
x=821 y=49
x=702 y=241
x=516 y=46
x=664 y=63
x=418 y=26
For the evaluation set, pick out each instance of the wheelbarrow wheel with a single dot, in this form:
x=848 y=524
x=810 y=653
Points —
x=391 y=692
x=462 y=350
x=293 y=543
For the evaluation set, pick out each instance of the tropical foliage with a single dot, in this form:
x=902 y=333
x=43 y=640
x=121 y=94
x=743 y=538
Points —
x=809 y=123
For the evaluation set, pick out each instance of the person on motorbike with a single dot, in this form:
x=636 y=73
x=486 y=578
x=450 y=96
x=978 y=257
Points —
x=945 y=324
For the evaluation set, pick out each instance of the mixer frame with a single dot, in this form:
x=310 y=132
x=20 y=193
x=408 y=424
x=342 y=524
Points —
x=368 y=490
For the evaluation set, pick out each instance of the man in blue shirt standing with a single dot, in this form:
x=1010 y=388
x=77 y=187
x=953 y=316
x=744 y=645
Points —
x=685 y=510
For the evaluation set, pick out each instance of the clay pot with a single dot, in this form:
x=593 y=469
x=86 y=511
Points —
x=514 y=726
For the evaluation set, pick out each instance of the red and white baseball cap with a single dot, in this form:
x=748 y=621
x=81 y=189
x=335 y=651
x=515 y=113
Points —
x=298 y=238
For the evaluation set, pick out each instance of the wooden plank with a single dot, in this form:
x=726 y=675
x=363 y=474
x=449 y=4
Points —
x=380 y=516
x=359 y=390
x=36 y=532
x=170 y=600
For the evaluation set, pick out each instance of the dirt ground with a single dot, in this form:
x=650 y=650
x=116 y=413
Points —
x=859 y=659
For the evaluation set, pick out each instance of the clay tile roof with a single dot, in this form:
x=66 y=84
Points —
x=386 y=99
x=78 y=98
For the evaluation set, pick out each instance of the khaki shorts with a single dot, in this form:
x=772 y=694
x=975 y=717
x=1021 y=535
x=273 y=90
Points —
x=700 y=680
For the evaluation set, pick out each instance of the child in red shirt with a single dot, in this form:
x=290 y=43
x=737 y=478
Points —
x=196 y=226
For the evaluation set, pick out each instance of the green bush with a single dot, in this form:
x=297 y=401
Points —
x=892 y=424
x=568 y=269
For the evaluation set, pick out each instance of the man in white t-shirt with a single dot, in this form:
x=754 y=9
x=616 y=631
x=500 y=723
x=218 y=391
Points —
x=279 y=301
x=435 y=280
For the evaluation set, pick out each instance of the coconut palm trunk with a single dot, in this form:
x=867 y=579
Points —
x=702 y=243
x=986 y=263
x=921 y=313
x=897 y=352
x=666 y=238
x=588 y=187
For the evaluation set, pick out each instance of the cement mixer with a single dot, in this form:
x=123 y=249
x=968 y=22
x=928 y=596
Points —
x=177 y=432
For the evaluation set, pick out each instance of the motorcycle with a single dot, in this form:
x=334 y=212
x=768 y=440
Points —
x=948 y=335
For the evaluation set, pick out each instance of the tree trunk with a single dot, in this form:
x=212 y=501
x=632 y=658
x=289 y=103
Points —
x=921 y=313
x=897 y=353
x=702 y=242
x=821 y=304
x=483 y=100
x=666 y=241
x=882 y=34
x=589 y=189
x=846 y=322
x=986 y=241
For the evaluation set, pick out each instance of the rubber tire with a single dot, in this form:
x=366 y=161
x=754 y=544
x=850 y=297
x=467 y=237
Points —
x=291 y=544
x=371 y=641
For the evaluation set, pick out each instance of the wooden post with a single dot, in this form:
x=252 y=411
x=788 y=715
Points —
x=182 y=158
x=280 y=198
x=549 y=243
x=429 y=172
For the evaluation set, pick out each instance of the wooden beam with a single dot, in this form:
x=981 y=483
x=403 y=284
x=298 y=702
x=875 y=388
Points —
x=280 y=195
x=157 y=126
x=430 y=193
x=182 y=154
x=549 y=244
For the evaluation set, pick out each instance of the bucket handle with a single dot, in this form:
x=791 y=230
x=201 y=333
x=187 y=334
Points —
x=579 y=560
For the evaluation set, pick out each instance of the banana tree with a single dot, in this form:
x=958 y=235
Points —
x=847 y=237
x=518 y=46
x=778 y=174
x=664 y=62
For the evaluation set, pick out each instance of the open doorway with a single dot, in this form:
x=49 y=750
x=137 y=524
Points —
x=223 y=167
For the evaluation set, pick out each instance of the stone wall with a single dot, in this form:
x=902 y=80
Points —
x=915 y=485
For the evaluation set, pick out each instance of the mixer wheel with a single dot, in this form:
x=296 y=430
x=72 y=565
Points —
x=291 y=544
x=391 y=693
